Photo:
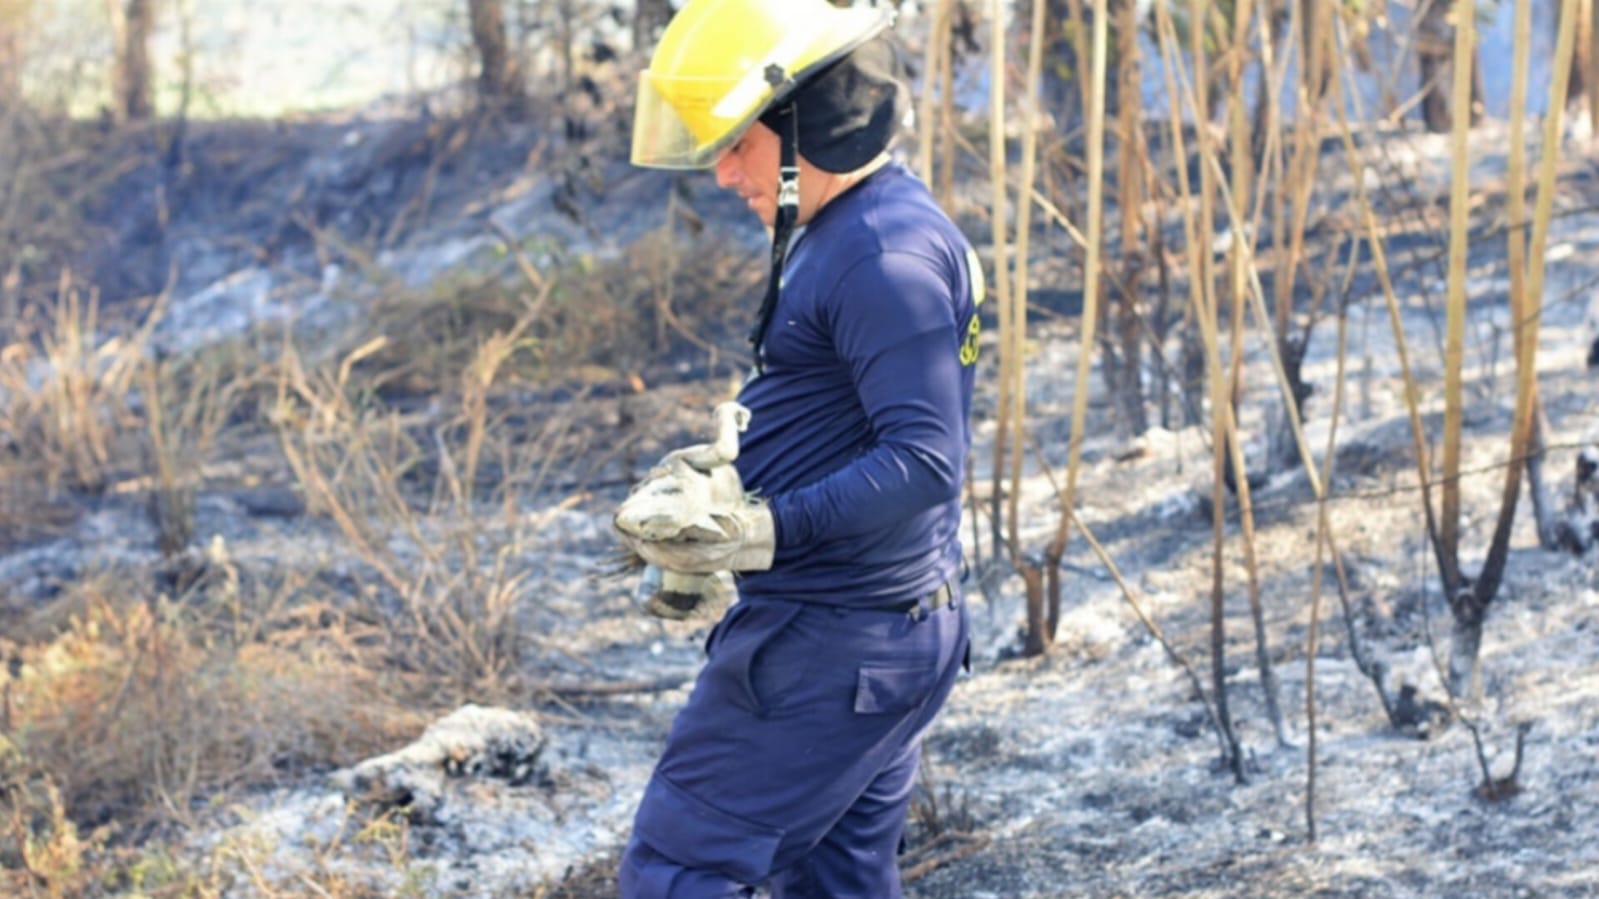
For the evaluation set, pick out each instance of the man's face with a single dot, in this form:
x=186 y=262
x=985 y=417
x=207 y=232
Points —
x=749 y=169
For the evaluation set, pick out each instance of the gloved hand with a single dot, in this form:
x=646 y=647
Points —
x=691 y=515
x=737 y=538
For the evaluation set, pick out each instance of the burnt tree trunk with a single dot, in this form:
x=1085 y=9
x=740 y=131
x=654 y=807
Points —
x=1582 y=92
x=134 y=76
x=498 y=83
x=1283 y=448
x=1193 y=371
x=10 y=59
x=649 y=17
x=1544 y=510
x=1465 y=647
x=1276 y=14
x=1433 y=42
x=1160 y=323
x=1132 y=419
x=1590 y=53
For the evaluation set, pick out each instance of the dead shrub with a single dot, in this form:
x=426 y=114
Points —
x=144 y=705
x=52 y=172
x=186 y=403
x=411 y=496
x=42 y=851
x=64 y=398
x=86 y=408
x=666 y=298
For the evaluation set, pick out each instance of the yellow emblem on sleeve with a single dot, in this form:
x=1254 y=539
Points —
x=974 y=327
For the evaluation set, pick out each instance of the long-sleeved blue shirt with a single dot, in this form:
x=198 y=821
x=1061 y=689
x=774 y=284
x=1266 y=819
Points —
x=859 y=422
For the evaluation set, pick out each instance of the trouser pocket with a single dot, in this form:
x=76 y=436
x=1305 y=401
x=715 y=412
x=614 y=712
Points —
x=697 y=835
x=886 y=689
x=738 y=663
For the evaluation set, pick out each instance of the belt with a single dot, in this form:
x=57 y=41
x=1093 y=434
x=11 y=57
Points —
x=942 y=595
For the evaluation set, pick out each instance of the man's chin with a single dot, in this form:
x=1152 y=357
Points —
x=765 y=213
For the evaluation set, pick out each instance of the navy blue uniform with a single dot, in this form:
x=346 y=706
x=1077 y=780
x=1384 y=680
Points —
x=793 y=760
x=859 y=425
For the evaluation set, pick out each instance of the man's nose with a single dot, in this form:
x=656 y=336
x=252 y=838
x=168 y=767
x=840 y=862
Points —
x=726 y=171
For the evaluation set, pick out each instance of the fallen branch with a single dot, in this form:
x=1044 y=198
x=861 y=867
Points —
x=593 y=689
x=948 y=848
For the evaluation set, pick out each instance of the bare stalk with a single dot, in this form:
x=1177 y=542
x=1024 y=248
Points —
x=1516 y=253
x=1412 y=391
x=1091 y=289
x=933 y=62
x=1144 y=618
x=1455 y=303
x=1196 y=232
x=1015 y=340
x=1526 y=311
x=1002 y=288
x=1242 y=178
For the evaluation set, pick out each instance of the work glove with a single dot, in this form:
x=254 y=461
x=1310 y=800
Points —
x=690 y=521
x=741 y=539
x=691 y=515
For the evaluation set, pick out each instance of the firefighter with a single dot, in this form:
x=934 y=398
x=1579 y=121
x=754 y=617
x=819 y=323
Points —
x=791 y=765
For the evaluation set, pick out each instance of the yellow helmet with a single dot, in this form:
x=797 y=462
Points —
x=721 y=63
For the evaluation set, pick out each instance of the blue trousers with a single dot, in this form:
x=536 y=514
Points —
x=791 y=765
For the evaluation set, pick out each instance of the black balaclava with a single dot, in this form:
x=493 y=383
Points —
x=850 y=111
x=839 y=120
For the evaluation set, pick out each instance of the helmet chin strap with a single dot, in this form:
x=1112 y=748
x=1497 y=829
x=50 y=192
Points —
x=782 y=227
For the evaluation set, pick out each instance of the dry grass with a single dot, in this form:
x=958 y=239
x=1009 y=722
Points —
x=587 y=321
x=405 y=494
x=428 y=500
x=186 y=404
x=145 y=709
x=65 y=393
x=134 y=698
x=85 y=410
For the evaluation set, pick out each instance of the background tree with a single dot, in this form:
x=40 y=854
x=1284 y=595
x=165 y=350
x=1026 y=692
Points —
x=133 y=75
x=13 y=15
x=1124 y=338
x=498 y=80
x=1432 y=54
x=1436 y=52
x=649 y=17
x=1583 y=79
